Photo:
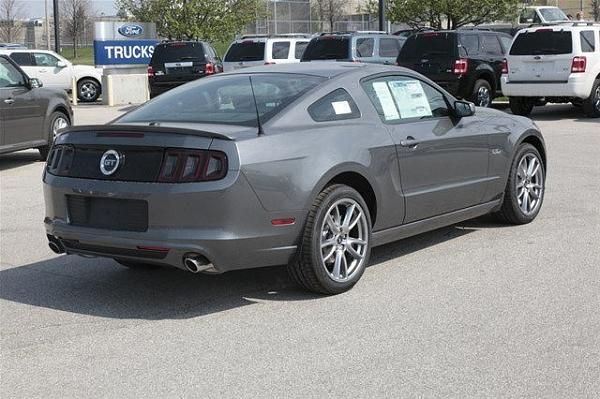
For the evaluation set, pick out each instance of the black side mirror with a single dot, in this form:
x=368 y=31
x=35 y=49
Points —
x=34 y=83
x=463 y=109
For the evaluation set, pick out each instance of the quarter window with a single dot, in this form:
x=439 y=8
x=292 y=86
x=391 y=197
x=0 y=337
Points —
x=300 y=47
x=400 y=98
x=588 y=41
x=491 y=45
x=281 y=50
x=364 y=47
x=22 y=59
x=337 y=105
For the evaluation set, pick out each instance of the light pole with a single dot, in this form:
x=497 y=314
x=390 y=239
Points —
x=56 y=28
x=381 y=16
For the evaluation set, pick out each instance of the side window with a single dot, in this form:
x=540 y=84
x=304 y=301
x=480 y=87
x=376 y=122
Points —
x=43 y=59
x=335 y=106
x=389 y=47
x=506 y=42
x=491 y=45
x=469 y=44
x=299 y=50
x=588 y=41
x=281 y=50
x=401 y=98
x=9 y=75
x=22 y=59
x=364 y=47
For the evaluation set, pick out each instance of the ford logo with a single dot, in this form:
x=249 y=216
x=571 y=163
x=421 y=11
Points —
x=110 y=162
x=130 y=30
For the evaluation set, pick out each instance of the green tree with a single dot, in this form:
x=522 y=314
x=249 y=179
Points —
x=451 y=14
x=211 y=20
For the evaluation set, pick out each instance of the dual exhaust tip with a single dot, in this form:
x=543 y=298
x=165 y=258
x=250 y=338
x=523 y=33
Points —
x=55 y=245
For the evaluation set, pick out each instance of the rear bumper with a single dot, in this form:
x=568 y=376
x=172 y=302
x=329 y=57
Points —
x=222 y=221
x=577 y=86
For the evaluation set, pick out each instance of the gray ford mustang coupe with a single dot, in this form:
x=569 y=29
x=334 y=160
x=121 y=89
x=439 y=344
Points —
x=309 y=165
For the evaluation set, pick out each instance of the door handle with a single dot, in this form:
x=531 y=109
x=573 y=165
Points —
x=410 y=142
x=42 y=70
x=9 y=101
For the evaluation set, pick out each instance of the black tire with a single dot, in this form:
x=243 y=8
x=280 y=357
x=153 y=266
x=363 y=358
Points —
x=50 y=131
x=308 y=268
x=510 y=212
x=485 y=98
x=88 y=90
x=521 y=105
x=591 y=105
x=137 y=265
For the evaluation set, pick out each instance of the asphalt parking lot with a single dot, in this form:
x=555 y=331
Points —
x=474 y=310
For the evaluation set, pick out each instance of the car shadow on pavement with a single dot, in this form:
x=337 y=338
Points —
x=17 y=159
x=99 y=287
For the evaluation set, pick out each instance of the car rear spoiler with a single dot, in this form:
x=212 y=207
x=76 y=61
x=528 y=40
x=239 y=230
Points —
x=125 y=128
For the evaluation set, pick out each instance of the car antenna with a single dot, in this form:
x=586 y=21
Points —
x=260 y=129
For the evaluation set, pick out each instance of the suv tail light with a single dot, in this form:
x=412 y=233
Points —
x=192 y=166
x=579 y=64
x=461 y=66
x=150 y=71
x=504 y=67
x=209 y=69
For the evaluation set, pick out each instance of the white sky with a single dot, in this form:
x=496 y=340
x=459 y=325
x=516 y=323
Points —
x=35 y=8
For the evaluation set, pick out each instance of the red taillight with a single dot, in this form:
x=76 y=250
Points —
x=150 y=71
x=579 y=64
x=504 y=67
x=209 y=69
x=180 y=166
x=461 y=66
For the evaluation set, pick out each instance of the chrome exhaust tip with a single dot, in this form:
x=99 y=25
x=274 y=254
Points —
x=196 y=263
x=55 y=245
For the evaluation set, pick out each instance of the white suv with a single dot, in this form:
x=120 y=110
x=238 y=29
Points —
x=556 y=64
x=264 y=50
x=57 y=72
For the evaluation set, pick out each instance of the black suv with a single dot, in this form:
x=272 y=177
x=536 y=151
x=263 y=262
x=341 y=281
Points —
x=467 y=63
x=174 y=63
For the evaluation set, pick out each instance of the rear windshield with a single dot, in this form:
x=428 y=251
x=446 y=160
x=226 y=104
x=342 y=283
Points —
x=542 y=42
x=328 y=48
x=227 y=100
x=176 y=52
x=428 y=45
x=246 y=51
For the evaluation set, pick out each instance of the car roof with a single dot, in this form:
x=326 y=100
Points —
x=323 y=69
x=565 y=26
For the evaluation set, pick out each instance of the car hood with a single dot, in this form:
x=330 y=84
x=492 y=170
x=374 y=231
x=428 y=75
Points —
x=488 y=114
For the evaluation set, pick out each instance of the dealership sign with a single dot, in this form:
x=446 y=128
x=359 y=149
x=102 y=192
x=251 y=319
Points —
x=120 y=52
x=123 y=43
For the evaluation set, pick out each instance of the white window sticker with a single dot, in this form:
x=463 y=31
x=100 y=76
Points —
x=341 y=107
x=387 y=102
x=410 y=98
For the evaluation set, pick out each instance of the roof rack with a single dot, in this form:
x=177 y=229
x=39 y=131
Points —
x=353 y=32
x=475 y=28
x=267 y=36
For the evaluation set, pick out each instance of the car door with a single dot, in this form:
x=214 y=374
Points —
x=52 y=71
x=21 y=110
x=443 y=160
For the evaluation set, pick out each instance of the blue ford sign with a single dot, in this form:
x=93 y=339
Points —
x=123 y=52
x=131 y=30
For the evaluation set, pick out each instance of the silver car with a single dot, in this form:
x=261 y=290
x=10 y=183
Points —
x=309 y=165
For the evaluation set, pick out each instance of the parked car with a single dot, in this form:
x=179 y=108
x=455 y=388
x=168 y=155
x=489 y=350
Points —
x=530 y=16
x=56 y=72
x=361 y=46
x=12 y=45
x=557 y=64
x=258 y=50
x=309 y=164
x=467 y=63
x=174 y=63
x=30 y=116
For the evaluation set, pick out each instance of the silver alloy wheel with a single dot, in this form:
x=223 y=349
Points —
x=88 y=91
x=530 y=183
x=59 y=123
x=596 y=98
x=344 y=239
x=483 y=97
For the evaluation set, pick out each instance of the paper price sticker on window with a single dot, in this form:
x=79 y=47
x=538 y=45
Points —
x=410 y=98
x=341 y=107
x=387 y=102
